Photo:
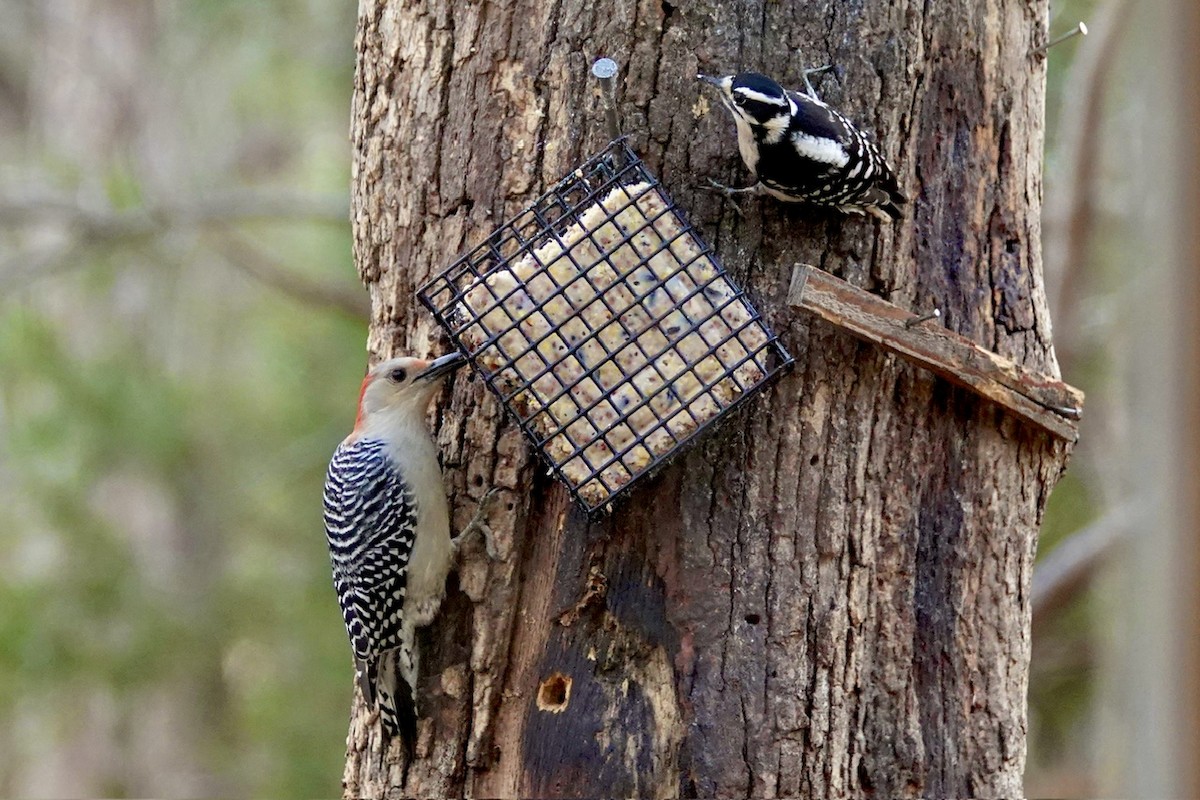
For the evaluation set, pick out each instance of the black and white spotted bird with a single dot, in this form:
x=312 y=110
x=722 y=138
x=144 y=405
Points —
x=388 y=526
x=801 y=150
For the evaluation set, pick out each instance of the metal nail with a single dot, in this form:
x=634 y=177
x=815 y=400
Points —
x=1080 y=30
x=915 y=321
x=605 y=69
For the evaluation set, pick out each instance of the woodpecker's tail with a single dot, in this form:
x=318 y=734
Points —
x=895 y=198
x=892 y=210
x=394 y=690
x=882 y=200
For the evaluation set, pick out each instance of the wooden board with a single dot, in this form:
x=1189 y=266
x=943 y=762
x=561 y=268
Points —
x=1046 y=402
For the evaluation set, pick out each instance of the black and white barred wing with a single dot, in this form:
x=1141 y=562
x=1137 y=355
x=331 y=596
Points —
x=852 y=170
x=370 y=521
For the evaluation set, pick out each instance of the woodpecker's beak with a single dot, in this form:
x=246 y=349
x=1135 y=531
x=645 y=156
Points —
x=442 y=366
x=709 y=79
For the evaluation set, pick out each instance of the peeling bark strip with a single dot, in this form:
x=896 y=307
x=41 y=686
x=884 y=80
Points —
x=830 y=595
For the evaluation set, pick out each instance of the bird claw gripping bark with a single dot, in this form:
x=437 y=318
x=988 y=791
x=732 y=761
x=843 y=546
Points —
x=478 y=524
x=728 y=193
x=808 y=84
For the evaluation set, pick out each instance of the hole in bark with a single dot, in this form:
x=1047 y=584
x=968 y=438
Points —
x=1010 y=246
x=477 y=480
x=554 y=694
x=668 y=9
x=812 y=462
x=753 y=619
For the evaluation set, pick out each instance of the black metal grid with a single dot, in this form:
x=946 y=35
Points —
x=606 y=326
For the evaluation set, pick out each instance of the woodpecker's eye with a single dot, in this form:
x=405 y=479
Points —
x=399 y=375
x=739 y=100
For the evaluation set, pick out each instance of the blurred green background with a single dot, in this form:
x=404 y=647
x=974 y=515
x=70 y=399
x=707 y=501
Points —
x=181 y=336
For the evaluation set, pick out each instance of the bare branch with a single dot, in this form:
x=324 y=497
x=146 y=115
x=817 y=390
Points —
x=99 y=217
x=25 y=266
x=254 y=262
x=1059 y=576
x=1070 y=212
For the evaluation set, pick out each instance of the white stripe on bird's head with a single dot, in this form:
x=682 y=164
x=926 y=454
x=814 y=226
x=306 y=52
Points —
x=759 y=97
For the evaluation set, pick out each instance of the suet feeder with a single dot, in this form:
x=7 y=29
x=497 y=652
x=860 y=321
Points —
x=606 y=326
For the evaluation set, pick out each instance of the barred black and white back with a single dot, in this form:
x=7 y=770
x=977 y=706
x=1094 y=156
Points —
x=801 y=150
x=370 y=522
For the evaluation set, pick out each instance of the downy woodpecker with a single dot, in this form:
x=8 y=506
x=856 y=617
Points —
x=388 y=527
x=800 y=149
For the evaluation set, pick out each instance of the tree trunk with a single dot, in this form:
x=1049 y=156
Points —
x=828 y=596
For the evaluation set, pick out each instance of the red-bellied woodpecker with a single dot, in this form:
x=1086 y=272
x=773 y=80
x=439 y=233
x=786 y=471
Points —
x=388 y=527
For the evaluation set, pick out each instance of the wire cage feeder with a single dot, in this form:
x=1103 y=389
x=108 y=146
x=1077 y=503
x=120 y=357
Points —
x=606 y=326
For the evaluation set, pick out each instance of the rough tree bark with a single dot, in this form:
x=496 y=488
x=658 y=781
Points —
x=829 y=596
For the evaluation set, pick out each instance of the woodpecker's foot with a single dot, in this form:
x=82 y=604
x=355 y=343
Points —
x=808 y=87
x=479 y=525
x=729 y=192
x=878 y=213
